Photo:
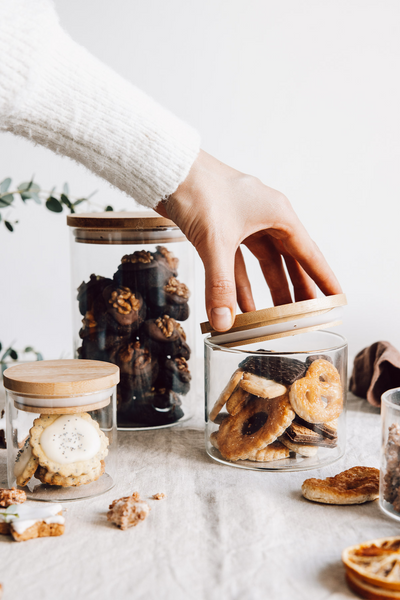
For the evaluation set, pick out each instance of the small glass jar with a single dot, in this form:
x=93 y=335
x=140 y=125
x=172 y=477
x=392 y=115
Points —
x=133 y=294
x=276 y=404
x=61 y=428
x=389 y=492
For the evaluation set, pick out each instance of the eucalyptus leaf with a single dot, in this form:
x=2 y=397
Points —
x=0 y=217
x=8 y=225
x=5 y=184
x=28 y=187
x=109 y=208
x=29 y=349
x=92 y=194
x=13 y=354
x=79 y=201
x=65 y=200
x=6 y=200
x=31 y=195
x=39 y=356
x=66 y=189
x=1 y=346
x=54 y=205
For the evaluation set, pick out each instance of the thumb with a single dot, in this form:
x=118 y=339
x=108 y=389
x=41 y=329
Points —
x=219 y=265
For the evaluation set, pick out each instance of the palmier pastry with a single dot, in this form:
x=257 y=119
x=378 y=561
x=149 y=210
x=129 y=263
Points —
x=354 y=486
x=90 y=290
x=306 y=395
x=170 y=299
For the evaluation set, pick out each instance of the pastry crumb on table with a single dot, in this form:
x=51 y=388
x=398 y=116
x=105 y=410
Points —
x=12 y=496
x=128 y=511
x=159 y=496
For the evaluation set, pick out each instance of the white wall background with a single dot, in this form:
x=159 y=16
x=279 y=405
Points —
x=304 y=95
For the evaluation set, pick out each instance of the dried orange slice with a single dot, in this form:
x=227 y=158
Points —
x=366 y=590
x=376 y=562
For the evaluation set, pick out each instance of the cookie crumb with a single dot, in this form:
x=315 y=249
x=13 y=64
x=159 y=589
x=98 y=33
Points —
x=128 y=511
x=12 y=496
x=159 y=496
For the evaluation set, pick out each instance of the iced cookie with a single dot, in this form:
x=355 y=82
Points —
x=68 y=445
x=28 y=521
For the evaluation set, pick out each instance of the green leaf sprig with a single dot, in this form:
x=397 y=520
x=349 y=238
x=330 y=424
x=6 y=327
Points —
x=55 y=202
x=10 y=352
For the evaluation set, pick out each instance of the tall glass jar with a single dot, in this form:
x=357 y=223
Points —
x=61 y=428
x=133 y=294
x=277 y=404
x=389 y=493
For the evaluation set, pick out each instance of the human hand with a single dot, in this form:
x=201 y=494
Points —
x=219 y=208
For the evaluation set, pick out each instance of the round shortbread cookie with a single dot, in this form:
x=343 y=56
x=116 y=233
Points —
x=55 y=479
x=275 y=451
x=70 y=439
x=354 y=486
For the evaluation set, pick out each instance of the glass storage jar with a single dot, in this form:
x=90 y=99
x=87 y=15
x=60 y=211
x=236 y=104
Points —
x=275 y=399
x=133 y=283
x=389 y=493
x=61 y=428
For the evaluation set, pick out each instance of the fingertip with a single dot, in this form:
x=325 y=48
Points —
x=221 y=318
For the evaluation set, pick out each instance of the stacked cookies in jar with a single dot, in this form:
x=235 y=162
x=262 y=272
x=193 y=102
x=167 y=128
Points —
x=276 y=387
x=134 y=321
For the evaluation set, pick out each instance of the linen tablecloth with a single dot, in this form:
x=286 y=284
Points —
x=221 y=533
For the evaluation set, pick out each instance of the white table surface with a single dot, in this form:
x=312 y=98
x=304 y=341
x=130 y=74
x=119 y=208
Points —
x=222 y=533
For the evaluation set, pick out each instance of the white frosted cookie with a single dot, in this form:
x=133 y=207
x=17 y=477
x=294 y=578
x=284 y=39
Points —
x=30 y=521
x=25 y=464
x=69 y=445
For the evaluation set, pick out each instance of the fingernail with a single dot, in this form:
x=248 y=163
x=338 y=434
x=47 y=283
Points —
x=221 y=318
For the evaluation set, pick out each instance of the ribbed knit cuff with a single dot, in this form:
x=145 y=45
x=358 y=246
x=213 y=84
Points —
x=67 y=100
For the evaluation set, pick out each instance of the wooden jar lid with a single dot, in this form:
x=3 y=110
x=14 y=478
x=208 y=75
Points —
x=60 y=378
x=280 y=321
x=144 y=220
x=114 y=228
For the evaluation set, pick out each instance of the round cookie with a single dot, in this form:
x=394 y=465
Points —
x=226 y=393
x=69 y=445
x=256 y=426
x=166 y=337
x=88 y=292
x=55 y=479
x=175 y=375
x=262 y=387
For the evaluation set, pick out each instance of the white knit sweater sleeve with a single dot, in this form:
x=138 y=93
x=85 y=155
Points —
x=55 y=93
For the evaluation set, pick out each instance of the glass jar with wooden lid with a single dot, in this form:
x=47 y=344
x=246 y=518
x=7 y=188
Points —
x=61 y=428
x=133 y=294
x=276 y=388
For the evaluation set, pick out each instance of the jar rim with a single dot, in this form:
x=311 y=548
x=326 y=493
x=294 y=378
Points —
x=235 y=350
x=386 y=398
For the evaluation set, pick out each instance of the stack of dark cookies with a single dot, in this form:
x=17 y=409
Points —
x=132 y=321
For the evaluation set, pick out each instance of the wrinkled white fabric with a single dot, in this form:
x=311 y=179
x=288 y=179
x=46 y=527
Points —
x=221 y=533
x=55 y=93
